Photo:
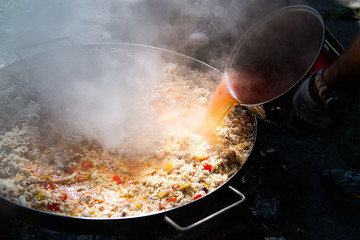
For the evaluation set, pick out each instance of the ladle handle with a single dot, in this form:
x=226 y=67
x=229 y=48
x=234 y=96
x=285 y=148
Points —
x=196 y=224
x=39 y=47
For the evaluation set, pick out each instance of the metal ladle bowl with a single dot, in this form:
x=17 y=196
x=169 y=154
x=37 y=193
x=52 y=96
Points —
x=274 y=55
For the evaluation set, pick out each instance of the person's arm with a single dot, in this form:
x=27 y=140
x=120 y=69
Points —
x=344 y=73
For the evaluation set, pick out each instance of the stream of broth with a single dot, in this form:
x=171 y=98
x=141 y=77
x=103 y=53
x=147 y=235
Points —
x=220 y=105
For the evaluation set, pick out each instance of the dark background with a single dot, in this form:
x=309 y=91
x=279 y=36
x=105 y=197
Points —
x=290 y=201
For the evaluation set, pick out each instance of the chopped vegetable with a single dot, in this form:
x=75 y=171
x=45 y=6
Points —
x=203 y=156
x=49 y=185
x=172 y=200
x=185 y=185
x=45 y=176
x=63 y=196
x=40 y=196
x=117 y=179
x=169 y=167
x=197 y=196
x=207 y=166
x=163 y=194
x=82 y=178
x=54 y=207
x=86 y=165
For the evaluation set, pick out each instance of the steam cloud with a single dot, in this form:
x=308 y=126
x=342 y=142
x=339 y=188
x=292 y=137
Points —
x=103 y=94
x=206 y=30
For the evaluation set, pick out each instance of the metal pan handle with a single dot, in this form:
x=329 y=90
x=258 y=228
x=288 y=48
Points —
x=196 y=224
x=33 y=49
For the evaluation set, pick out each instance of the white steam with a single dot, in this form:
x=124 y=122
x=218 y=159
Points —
x=104 y=97
x=104 y=94
x=162 y=23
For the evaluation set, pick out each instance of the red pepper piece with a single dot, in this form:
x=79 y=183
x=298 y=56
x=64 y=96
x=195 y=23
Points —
x=197 y=196
x=207 y=166
x=86 y=165
x=54 y=207
x=172 y=200
x=117 y=179
x=207 y=157
x=63 y=196
x=50 y=185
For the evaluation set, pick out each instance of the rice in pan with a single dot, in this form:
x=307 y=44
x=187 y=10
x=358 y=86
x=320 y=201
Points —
x=44 y=167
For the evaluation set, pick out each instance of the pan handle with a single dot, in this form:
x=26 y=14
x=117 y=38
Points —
x=196 y=224
x=30 y=50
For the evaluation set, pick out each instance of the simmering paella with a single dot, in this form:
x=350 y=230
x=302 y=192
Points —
x=44 y=165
